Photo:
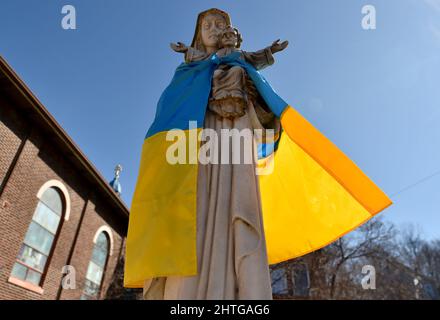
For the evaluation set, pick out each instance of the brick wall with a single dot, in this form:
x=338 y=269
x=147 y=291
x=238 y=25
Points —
x=39 y=162
x=9 y=140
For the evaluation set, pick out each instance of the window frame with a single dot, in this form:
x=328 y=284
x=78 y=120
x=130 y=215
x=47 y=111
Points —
x=38 y=288
x=104 y=268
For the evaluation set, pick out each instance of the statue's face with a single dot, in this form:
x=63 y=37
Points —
x=229 y=38
x=212 y=26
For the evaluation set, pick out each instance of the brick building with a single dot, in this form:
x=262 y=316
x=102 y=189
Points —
x=56 y=209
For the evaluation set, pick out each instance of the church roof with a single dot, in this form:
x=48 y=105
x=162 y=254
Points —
x=16 y=91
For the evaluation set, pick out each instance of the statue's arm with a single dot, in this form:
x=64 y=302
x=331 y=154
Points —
x=191 y=54
x=277 y=46
x=260 y=59
x=179 y=47
x=264 y=58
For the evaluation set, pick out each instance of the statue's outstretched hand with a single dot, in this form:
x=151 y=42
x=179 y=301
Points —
x=179 y=47
x=277 y=46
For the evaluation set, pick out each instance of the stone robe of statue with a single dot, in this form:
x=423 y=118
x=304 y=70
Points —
x=231 y=246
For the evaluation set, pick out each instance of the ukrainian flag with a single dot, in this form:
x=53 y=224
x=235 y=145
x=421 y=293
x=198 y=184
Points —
x=314 y=195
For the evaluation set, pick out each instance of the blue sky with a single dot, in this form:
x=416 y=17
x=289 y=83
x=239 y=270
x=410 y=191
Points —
x=374 y=93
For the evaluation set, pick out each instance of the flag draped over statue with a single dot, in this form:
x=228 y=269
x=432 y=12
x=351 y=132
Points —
x=314 y=195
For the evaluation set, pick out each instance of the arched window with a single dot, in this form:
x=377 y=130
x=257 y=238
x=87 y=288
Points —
x=37 y=245
x=96 y=267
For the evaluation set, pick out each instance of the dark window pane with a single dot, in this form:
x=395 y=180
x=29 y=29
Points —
x=32 y=257
x=19 y=271
x=46 y=217
x=301 y=280
x=52 y=199
x=39 y=238
x=33 y=277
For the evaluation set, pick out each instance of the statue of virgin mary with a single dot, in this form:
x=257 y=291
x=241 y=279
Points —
x=231 y=249
x=210 y=230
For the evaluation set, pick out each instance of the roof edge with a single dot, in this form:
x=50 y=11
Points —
x=61 y=133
